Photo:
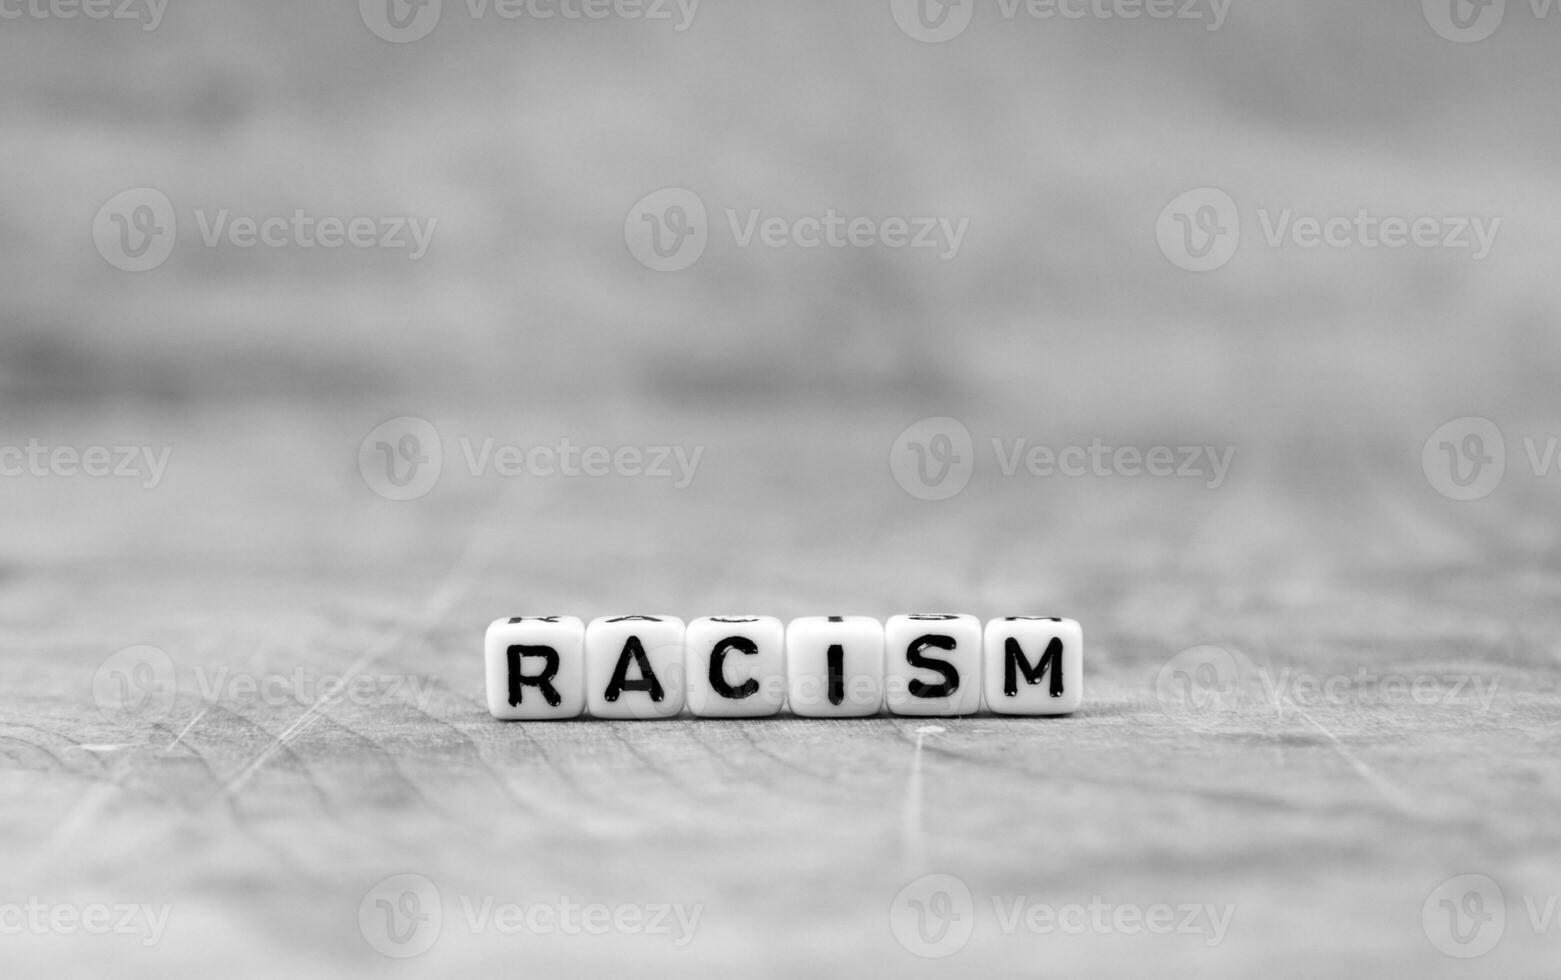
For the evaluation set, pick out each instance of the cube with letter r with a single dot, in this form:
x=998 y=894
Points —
x=536 y=668
x=1033 y=665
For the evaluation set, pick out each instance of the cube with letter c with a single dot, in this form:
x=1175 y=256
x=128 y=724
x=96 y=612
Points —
x=736 y=666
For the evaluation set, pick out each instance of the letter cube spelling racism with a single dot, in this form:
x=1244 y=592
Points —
x=536 y=668
x=542 y=668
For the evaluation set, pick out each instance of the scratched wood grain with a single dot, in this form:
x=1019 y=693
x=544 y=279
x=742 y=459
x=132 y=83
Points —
x=263 y=819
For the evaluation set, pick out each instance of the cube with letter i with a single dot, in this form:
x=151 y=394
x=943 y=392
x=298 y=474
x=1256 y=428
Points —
x=634 y=667
x=834 y=666
x=1034 y=665
x=934 y=666
x=536 y=668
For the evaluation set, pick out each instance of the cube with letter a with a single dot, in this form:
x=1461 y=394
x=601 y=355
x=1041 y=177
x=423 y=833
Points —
x=1033 y=665
x=634 y=667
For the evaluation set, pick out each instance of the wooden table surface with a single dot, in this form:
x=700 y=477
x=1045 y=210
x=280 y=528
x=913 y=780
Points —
x=264 y=811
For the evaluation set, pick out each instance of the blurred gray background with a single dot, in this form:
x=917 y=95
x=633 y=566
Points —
x=265 y=373
x=530 y=140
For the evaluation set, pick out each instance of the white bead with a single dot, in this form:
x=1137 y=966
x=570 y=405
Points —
x=736 y=666
x=835 y=666
x=536 y=668
x=1033 y=666
x=634 y=667
x=934 y=665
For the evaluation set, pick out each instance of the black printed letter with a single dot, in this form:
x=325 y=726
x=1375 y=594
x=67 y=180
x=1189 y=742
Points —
x=633 y=651
x=747 y=688
x=950 y=674
x=1014 y=663
x=542 y=682
x=836 y=659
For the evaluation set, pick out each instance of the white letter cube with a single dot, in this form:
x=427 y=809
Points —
x=835 y=666
x=1034 y=666
x=536 y=668
x=934 y=665
x=736 y=666
x=634 y=667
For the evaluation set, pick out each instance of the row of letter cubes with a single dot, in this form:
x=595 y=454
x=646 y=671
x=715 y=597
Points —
x=646 y=667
